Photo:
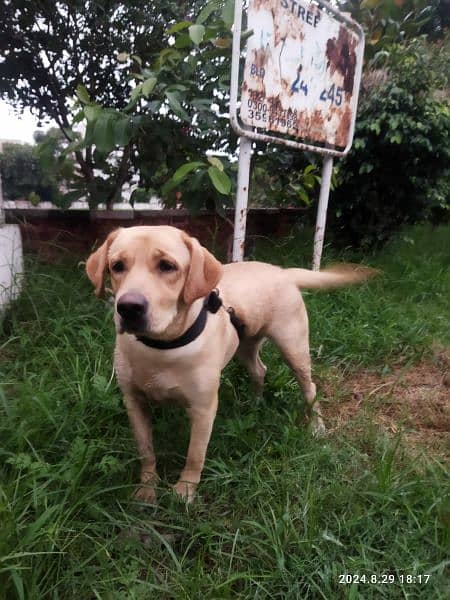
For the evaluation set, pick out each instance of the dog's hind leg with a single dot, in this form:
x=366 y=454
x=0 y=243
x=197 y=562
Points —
x=248 y=354
x=293 y=341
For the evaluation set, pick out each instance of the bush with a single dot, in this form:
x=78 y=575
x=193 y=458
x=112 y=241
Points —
x=23 y=176
x=398 y=170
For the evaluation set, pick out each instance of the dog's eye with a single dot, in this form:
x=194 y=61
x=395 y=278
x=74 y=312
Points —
x=118 y=267
x=165 y=266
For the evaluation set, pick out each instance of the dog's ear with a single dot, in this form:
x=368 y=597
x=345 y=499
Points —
x=204 y=271
x=96 y=264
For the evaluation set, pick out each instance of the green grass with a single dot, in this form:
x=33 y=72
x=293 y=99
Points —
x=280 y=514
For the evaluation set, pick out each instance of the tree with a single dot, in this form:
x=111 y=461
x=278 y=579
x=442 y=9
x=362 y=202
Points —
x=175 y=113
x=50 y=48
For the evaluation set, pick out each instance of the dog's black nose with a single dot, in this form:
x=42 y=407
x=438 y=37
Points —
x=132 y=306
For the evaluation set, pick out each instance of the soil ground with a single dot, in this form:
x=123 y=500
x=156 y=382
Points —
x=414 y=399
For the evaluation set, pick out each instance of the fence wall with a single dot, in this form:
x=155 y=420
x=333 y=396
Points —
x=52 y=232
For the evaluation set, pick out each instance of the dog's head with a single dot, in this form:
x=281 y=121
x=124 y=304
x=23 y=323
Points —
x=156 y=273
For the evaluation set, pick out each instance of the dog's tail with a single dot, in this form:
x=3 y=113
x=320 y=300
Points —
x=333 y=276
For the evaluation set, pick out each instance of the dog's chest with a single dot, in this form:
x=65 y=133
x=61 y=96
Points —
x=159 y=379
x=161 y=386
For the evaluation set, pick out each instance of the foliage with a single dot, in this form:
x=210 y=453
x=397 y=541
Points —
x=398 y=169
x=50 y=48
x=283 y=179
x=387 y=22
x=280 y=514
x=23 y=176
x=175 y=114
x=195 y=179
x=140 y=91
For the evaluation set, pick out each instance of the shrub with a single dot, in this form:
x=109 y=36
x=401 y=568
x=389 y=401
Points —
x=398 y=170
x=23 y=176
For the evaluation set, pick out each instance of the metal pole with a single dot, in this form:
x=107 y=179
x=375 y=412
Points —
x=2 y=212
x=319 y=234
x=240 y=213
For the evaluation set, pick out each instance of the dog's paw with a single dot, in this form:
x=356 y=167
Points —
x=185 y=490
x=146 y=493
x=317 y=427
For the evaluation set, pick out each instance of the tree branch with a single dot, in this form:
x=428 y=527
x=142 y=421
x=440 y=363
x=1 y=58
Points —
x=122 y=175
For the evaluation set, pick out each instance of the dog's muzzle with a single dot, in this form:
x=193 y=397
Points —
x=132 y=308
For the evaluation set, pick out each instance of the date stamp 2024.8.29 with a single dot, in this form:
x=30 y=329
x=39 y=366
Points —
x=384 y=578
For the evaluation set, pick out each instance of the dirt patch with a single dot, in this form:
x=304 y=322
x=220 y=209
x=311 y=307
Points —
x=413 y=399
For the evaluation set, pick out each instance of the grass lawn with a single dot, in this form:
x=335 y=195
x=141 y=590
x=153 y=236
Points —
x=279 y=514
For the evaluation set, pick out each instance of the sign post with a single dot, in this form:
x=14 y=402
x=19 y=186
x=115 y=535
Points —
x=240 y=215
x=319 y=233
x=299 y=88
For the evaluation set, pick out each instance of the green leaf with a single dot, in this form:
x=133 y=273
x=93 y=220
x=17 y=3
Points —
x=183 y=41
x=167 y=59
x=175 y=105
x=123 y=57
x=148 y=86
x=83 y=94
x=210 y=7
x=185 y=169
x=309 y=181
x=220 y=180
x=136 y=92
x=104 y=134
x=216 y=162
x=91 y=112
x=178 y=27
x=18 y=582
x=122 y=132
x=304 y=196
x=78 y=117
x=353 y=592
x=228 y=13
x=196 y=33
x=34 y=198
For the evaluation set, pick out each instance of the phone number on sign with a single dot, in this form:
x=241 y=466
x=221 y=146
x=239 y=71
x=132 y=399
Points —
x=349 y=578
x=259 y=111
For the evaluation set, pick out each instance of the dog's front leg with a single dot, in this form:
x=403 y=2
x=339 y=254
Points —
x=202 y=420
x=141 y=425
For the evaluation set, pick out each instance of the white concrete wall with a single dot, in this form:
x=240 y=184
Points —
x=11 y=264
x=11 y=259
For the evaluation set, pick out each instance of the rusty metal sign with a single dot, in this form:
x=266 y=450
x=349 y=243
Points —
x=300 y=89
x=302 y=72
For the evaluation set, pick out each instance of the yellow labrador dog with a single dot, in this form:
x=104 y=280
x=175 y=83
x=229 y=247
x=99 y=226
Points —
x=181 y=315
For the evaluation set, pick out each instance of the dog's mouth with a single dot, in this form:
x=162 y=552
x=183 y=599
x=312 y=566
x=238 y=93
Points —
x=136 y=327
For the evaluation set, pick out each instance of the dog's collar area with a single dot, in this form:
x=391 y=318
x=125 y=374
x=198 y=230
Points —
x=211 y=304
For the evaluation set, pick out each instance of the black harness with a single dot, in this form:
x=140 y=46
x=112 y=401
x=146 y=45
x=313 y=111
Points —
x=211 y=304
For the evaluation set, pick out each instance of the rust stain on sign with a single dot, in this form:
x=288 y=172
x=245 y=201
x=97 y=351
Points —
x=300 y=72
x=342 y=57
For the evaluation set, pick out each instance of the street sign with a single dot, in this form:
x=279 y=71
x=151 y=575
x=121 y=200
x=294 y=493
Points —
x=300 y=72
x=300 y=88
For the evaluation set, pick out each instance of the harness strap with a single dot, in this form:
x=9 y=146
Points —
x=211 y=304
